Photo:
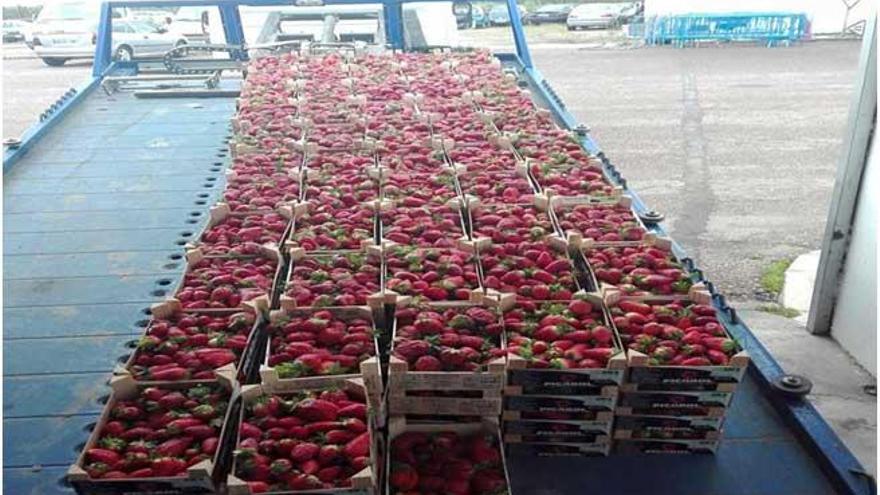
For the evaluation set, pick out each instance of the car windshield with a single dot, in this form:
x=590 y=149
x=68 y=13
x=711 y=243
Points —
x=68 y=11
x=189 y=14
x=552 y=8
x=597 y=9
x=142 y=27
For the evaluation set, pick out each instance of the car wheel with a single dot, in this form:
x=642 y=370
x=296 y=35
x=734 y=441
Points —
x=570 y=28
x=54 y=62
x=123 y=54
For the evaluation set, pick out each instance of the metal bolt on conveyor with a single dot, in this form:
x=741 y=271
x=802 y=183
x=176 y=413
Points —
x=793 y=385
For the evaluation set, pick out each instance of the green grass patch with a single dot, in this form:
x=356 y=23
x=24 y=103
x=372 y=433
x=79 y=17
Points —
x=773 y=277
x=778 y=310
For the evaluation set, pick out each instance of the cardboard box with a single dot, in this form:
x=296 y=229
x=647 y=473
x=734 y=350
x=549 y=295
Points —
x=369 y=369
x=711 y=404
x=242 y=368
x=364 y=482
x=398 y=425
x=532 y=431
x=200 y=478
x=667 y=427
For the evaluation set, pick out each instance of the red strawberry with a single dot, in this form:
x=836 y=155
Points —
x=404 y=477
x=358 y=447
x=427 y=363
x=304 y=451
x=316 y=410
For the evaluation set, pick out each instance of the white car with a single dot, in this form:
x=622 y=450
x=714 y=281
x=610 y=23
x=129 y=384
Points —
x=594 y=15
x=130 y=39
x=15 y=30
x=191 y=23
x=68 y=30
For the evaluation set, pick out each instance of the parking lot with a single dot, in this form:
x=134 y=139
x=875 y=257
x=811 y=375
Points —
x=737 y=145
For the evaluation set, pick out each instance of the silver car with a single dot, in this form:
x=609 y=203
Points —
x=594 y=15
x=67 y=30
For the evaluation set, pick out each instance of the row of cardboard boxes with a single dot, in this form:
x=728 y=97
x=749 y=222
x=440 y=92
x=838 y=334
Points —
x=643 y=376
x=463 y=249
x=465 y=222
x=427 y=176
x=243 y=440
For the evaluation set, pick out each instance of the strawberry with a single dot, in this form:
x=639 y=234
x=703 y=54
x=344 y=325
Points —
x=358 y=446
x=304 y=451
x=404 y=477
x=427 y=363
x=167 y=466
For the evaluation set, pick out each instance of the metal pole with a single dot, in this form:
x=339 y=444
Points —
x=519 y=37
x=231 y=18
x=862 y=119
x=393 y=13
x=103 y=41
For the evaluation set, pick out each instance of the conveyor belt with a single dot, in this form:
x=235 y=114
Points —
x=95 y=217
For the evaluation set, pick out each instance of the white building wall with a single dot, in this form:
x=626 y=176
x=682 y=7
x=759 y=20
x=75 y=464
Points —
x=854 y=324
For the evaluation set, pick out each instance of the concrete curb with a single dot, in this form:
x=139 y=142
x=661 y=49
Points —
x=800 y=277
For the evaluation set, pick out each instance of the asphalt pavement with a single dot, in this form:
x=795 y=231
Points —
x=736 y=145
x=29 y=86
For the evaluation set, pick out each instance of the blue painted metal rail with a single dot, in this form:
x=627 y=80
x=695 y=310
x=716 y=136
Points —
x=768 y=27
x=106 y=190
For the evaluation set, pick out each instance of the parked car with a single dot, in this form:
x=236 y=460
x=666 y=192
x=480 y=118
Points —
x=554 y=12
x=14 y=30
x=594 y=15
x=67 y=30
x=154 y=17
x=139 y=38
x=477 y=18
x=629 y=11
x=191 y=23
x=498 y=15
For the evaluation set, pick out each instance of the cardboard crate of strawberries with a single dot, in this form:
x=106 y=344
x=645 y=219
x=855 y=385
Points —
x=237 y=233
x=191 y=345
x=157 y=438
x=560 y=407
x=562 y=348
x=445 y=458
x=536 y=431
x=676 y=344
x=328 y=223
x=509 y=224
x=446 y=358
x=559 y=449
x=687 y=403
x=531 y=270
x=257 y=166
x=605 y=222
x=639 y=268
x=320 y=347
x=569 y=183
x=666 y=446
x=350 y=278
x=224 y=282
x=641 y=427
x=407 y=187
x=434 y=274
x=429 y=226
x=313 y=440
x=261 y=192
